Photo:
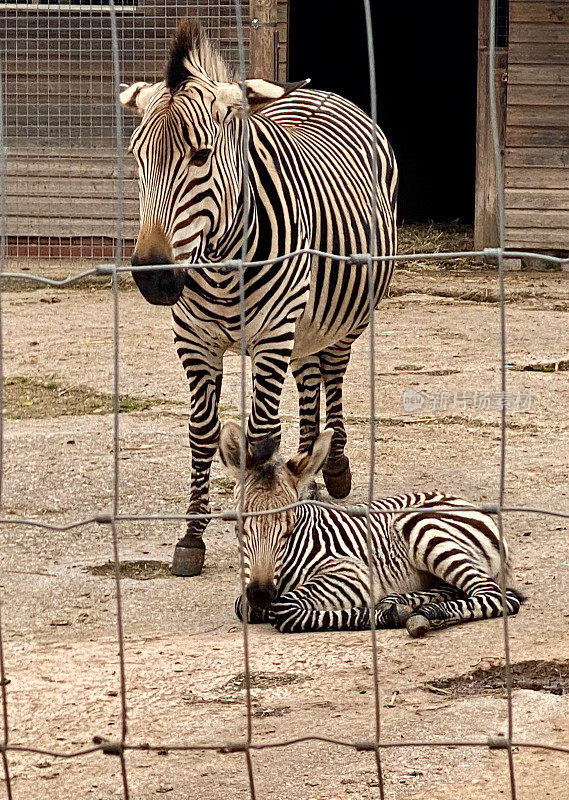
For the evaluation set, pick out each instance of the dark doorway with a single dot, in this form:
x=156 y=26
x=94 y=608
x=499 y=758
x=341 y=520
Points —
x=425 y=57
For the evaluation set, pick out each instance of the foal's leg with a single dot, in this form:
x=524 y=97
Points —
x=483 y=601
x=333 y=364
x=308 y=378
x=394 y=610
x=335 y=598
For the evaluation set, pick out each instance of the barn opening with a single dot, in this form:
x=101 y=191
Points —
x=426 y=68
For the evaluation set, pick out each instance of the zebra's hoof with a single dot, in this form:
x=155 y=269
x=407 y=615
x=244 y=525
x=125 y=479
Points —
x=395 y=615
x=417 y=626
x=188 y=558
x=339 y=480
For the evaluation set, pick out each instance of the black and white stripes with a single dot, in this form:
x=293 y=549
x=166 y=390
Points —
x=309 y=183
x=431 y=568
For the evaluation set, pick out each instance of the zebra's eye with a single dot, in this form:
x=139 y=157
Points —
x=200 y=157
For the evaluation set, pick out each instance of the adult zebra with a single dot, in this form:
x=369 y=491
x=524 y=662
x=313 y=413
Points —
x=435 y=558
x=310 y=185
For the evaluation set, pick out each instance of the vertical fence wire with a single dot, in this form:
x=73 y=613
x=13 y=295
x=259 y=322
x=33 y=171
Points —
x=371 y=268
x=244 y=155
x=116 y=389
x=498 y=167
x=3 y=195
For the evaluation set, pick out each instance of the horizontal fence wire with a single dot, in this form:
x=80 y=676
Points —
x=495 y=256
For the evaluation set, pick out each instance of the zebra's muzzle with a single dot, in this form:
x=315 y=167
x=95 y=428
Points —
x=161 y=287
x=261 y=595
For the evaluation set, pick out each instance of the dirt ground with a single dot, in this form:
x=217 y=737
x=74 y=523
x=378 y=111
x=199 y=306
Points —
x=438 y=335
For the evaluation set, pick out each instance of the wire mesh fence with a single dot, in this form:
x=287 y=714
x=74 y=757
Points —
x=38 y=113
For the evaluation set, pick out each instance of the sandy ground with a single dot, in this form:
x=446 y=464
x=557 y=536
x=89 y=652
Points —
x=183 y=646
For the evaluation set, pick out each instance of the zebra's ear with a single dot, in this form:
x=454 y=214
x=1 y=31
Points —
x=138 y=95
x=305 y=466
x=259 y=94
x=230 y=446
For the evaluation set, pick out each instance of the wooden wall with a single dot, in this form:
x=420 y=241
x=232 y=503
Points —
x=59 y=111
x=537 y=126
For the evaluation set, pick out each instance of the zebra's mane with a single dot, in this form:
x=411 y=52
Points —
x=192 y=54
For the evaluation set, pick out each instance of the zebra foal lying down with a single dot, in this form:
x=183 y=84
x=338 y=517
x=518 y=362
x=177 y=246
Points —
x=307 y=569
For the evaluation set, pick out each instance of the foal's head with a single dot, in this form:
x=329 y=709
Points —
x=270 y=483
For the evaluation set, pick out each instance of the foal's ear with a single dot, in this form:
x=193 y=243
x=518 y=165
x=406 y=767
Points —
x=305 y=466
x=230 y=447
x=138 y=95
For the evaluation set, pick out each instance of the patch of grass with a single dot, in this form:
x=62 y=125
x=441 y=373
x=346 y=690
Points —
x=33 y=398
x=137 y=570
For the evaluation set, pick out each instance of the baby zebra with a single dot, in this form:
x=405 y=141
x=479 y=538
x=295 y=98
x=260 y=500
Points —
x=307 y=569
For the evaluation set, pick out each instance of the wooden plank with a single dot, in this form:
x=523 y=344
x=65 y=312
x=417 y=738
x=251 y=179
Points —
x=66 y=168
x=538 y=157
x=262 y=51
x=486 y=212
x=539 y=96
x=49 y=226
x=69 y=188
x=537 y=137
x=528 y=219
x=537 y=199
x=538 y=53
x=537 y=238
x=555 y=12
x=531 y=32
x=538 y=116
x=69 y=208
x=535 y=178
x=538 y=74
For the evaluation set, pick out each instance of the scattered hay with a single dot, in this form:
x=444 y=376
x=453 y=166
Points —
x=439 y=238
x=137 y=570
x=262 y=680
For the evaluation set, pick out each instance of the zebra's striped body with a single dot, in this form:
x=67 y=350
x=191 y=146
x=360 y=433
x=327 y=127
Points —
x=309 y=183
x=430 y=567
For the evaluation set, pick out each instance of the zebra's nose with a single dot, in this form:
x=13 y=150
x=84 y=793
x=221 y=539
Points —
x=161 y=287
x=261 y=595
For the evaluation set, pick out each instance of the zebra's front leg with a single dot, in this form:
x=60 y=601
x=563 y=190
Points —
x=335 y=598
x=255 y=616
x=483 y=602
x=308 y=378
x=270 y=361
x=203 y=367
x=337 y=474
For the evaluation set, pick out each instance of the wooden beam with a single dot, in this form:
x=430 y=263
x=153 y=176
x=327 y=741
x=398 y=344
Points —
x=262 y=48
x=486 y=205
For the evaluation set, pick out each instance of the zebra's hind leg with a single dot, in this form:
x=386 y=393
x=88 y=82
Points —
x=308 y=378
x=337 y=474
x=394 y=610
x=483 y=602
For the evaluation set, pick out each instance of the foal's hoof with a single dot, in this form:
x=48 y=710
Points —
x=338 y=480
x=188 y=557
x=395 y=615
x=417 y=626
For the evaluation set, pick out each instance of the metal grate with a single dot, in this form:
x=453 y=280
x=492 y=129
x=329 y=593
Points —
x=247 y=745
x=59 y=114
